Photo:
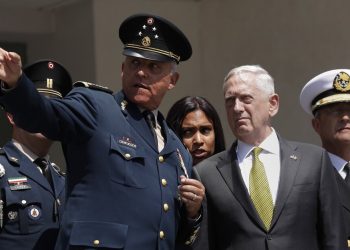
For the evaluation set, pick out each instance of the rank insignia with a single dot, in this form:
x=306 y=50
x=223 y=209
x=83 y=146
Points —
x=34 y=212
x=341 y=82
x=182 y=164
x=12 y=215
x=2 y=170
x=18 y=183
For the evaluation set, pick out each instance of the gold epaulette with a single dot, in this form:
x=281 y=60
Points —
x=92 y=86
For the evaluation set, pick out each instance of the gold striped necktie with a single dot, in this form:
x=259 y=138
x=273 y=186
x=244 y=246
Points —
x=260 y=190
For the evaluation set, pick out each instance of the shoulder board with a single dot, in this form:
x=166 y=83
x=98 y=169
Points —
x=58 y=169
x=92 y=86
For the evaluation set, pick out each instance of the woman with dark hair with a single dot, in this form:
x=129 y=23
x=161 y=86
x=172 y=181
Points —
x=197 y=124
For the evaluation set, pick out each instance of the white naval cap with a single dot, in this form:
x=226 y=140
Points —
x=326 y=88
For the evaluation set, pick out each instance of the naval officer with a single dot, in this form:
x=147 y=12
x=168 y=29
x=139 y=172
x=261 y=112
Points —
x=326 y=97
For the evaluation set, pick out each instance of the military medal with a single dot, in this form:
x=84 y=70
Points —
x=18 y=183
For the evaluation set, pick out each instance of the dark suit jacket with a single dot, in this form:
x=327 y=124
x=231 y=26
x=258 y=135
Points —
x=30 y=221
x=344 y=191
x=122 y=193
x=306 y=215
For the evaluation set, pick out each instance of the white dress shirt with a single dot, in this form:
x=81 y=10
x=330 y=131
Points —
x=270 y=157
x=338 y=163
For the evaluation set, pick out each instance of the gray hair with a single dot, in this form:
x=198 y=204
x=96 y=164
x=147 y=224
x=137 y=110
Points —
x=263 y=80
x=173 y=67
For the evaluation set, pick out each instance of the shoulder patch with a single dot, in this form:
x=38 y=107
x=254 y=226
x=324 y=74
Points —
x=92 y=86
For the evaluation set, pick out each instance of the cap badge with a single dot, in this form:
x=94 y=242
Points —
x=49 y=83
x=150 y=21
x=341 y=82
x=146 y=41
x=50 y=65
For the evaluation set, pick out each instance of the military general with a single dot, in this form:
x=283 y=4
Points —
x=128 y=175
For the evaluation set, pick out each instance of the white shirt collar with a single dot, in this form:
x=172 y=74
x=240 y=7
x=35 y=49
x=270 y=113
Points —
x=338 y=162
x=270 y=144
x=26 y=151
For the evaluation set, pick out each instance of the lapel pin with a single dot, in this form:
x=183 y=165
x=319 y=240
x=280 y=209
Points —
x=293 y=157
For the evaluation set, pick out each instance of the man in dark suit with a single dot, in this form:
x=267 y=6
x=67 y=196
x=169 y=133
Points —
x=126 y=170
x=266 y=192
x=327 y=98
x=32 y=192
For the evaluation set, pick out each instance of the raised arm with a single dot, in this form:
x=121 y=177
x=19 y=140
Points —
x=10 y=68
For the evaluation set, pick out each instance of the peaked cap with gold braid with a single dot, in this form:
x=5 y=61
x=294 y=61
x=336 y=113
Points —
x=154 y=38
x=326 y=88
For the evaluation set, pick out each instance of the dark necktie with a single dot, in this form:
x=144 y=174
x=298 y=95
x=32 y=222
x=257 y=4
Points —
x=43 y=164
x=347 y=171
x=155 y=129
x=151 y=121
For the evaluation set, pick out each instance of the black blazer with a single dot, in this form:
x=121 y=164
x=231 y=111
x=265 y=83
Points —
x=344 y=191
x=307 y=214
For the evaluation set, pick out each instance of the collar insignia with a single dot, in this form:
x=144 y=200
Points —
x=123 y=104
x=2 y=170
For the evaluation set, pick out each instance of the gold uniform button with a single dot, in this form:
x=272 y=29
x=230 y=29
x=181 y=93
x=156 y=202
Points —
x=161 y=158
x=96 y=242
x=165 y=207
x=161 y=235
x=164 y=182
x=127 y=156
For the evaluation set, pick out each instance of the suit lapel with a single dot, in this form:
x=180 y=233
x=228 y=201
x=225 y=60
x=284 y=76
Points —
x=290 y=160
x=230 y=172
x=344 y=191
x=58 y=181
x=26 y=167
